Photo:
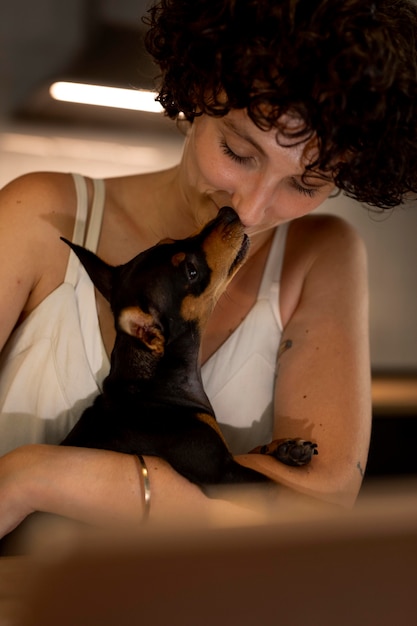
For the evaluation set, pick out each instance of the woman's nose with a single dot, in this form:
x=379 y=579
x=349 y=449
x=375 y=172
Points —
x=254 y=196
x=251 y=207
x=251 y=202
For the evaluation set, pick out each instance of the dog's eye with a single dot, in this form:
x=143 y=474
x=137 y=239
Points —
x=191 y=270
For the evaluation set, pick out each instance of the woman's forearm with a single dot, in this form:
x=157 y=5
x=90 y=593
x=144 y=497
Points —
x=105 y=489
x=93 y=486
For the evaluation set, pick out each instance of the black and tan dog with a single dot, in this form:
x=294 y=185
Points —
x=153 y=401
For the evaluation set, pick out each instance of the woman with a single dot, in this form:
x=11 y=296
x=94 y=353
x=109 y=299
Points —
x=286 y=102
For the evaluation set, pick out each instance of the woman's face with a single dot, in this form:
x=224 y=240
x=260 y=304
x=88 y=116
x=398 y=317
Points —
x=232 y=161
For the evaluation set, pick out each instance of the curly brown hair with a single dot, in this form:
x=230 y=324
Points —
x=348 y=69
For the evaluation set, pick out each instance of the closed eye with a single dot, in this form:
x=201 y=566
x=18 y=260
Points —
x=243 y=160
x=306 y=191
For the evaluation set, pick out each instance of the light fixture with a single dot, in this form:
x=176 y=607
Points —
x=100 y=95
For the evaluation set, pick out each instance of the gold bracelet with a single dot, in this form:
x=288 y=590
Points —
x=143 y=470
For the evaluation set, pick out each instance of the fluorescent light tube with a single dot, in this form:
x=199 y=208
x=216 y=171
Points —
x=100 y=95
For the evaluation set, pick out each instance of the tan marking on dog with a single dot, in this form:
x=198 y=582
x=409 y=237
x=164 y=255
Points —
x=212 y=422
x=221 y=249
x=178 y=258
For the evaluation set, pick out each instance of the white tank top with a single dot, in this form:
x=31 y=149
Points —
x=240 y=377
x=54 y=363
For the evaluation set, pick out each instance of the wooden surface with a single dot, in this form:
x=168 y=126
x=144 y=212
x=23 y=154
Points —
x=299 y=567
x=394 y=394
x=14 y=574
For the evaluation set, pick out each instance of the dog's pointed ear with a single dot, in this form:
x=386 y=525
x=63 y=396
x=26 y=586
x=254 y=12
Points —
x=144 y=326
x=100 y=272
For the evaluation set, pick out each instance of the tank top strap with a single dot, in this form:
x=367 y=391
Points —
x=96 y=216
x=79 y=226
x=81 y=236
x=273 y=267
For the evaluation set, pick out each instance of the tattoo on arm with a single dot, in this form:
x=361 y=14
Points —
x=359 y=466
x=284 y=346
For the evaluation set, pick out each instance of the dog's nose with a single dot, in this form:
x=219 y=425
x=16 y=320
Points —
x=228 y=215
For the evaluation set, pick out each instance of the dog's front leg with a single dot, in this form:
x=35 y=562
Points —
x=295 y=452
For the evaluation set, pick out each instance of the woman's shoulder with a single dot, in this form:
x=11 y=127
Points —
x=38 y=200
x=37 y=181
x=35 y=211
x=320 y=248
x=325 y=236
x=37 y=193
x=324 y=225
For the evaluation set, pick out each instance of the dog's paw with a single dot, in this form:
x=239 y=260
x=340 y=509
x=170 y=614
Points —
x=294 y=452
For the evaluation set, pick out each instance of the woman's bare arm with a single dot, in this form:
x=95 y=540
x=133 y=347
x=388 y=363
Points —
x=35 y=210
x=105 y=489
x=323 y=386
